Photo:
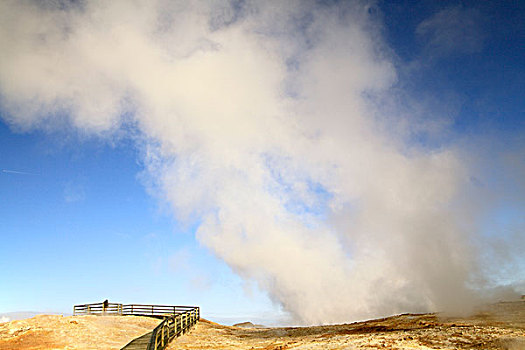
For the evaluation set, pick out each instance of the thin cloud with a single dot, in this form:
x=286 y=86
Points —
x=454 y=30
x=17 y=172
x=74 y=192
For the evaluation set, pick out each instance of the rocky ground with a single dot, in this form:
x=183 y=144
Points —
x=73 y=332
x=500 y=326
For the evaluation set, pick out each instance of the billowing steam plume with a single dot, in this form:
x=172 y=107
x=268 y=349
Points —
x=264 y=123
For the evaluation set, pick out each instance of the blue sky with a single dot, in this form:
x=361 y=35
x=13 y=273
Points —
x=78 y=226
x=486 y=78
x=80 y=220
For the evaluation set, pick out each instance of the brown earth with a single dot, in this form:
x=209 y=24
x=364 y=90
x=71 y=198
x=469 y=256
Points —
x=73 y=332
x=500 y=326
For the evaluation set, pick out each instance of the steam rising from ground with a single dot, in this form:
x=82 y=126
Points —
x=263 y=124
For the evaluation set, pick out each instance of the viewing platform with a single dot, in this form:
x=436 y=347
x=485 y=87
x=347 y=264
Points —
x=176 y=320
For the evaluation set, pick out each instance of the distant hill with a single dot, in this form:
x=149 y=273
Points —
x=248 y=325
x=22 y=315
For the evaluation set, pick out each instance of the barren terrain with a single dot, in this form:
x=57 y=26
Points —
x=500 y=326
x=73 y=332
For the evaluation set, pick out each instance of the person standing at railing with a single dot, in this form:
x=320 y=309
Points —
x=105 y=305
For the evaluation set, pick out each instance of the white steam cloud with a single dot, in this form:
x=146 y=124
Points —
x=262 y=124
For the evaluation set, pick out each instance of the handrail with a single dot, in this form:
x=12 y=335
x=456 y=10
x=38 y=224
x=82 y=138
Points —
x=130 y=309
x=98 y=309
x=171 y=327
x=177 y=320
x=154 y=310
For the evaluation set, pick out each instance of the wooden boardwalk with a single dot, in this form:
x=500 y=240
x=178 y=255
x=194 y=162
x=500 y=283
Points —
x=176 y=320
x=140 y=343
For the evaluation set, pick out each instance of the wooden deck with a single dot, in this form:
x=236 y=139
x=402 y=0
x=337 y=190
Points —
x=176 y=320
x=139 y=343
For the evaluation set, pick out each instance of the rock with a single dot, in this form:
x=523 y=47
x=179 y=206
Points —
x=248 y=325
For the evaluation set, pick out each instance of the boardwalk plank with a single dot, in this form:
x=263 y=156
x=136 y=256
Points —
x=140 y=343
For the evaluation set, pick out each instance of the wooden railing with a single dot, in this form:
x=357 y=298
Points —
x=154 y=310
x=171 y=327
x=177 y=320
x=131 y=309
x=98 y=309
